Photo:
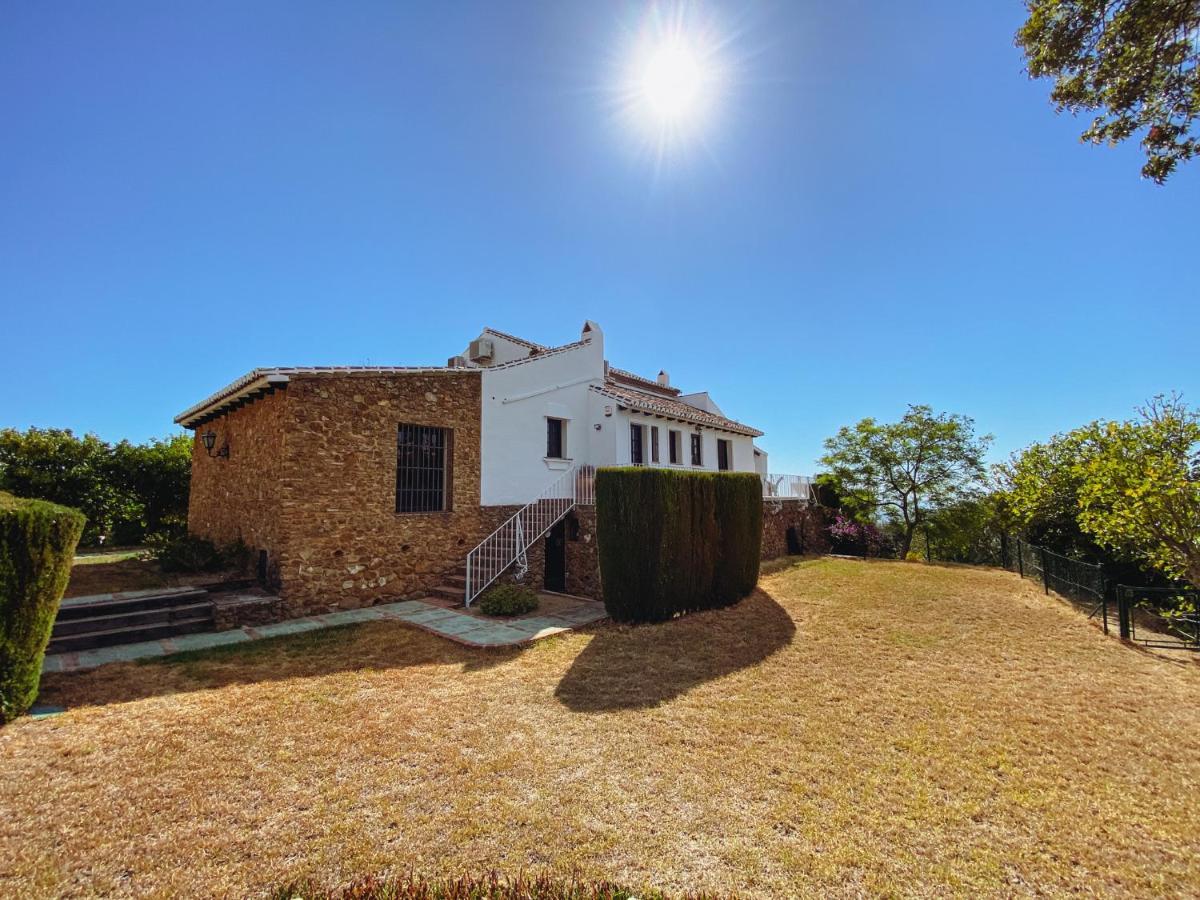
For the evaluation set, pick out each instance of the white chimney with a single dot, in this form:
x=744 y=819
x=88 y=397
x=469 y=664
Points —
x=664 y=379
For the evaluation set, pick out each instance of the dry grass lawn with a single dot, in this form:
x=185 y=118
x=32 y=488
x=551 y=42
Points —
x=851 y=728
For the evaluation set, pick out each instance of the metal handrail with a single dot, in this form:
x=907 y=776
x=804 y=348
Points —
x=506 y=546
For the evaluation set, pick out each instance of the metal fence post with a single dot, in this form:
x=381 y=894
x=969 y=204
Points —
x=1104 y=604
x=1021 y=557
x=1004 y=551
x=1123 y=597
x=1045 y=571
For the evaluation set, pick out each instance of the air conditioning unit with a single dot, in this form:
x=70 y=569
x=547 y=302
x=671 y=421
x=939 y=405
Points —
x=458 y=362
x=481 y=349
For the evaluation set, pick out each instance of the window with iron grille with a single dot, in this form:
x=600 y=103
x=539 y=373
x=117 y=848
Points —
x=673 y=447
x=723 y=455
x=635 y=445
x=697 y=458
x=653 y=443
x=422 y=469
x=554 y=438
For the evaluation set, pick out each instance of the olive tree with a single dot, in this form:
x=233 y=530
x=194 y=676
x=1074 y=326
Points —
x=906 y=469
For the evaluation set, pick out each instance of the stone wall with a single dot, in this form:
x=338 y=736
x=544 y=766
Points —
x=583 y=558
x=808 y=520
x=345 y=545
x=583 y=562
x=238 y=497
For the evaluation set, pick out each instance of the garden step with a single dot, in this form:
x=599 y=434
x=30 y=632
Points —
x=131 y=635
x=450 y=592
x=131 y=619
x=89 y=608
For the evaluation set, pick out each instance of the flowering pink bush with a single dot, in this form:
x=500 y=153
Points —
x=857 y=538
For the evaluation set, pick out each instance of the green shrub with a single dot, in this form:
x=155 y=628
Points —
x=508 y=600
x=187 y=554
x=674 y=542
x=37 y=545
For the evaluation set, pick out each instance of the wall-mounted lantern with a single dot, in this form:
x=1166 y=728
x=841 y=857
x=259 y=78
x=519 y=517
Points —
x=209 y=439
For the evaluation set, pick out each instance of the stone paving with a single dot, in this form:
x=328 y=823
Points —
x=456 y=625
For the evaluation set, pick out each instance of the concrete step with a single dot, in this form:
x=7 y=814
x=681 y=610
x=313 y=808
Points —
x=130 y=635
x=86 y=623
x=132 y=619
x=121 y=604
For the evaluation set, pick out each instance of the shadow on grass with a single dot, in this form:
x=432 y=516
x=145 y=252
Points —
x=373 y=646
x=640 y=666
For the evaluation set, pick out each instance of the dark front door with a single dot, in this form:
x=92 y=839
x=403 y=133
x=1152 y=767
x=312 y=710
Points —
x=556 y=558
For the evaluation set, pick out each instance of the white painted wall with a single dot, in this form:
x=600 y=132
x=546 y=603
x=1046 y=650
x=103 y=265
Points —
x=516 y=403
x=503 y=350
x=742 y=446
x=518 y=399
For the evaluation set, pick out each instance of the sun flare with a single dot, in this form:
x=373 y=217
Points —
x=673 y=77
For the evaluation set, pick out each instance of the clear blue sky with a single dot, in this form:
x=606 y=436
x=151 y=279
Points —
x=882 y=209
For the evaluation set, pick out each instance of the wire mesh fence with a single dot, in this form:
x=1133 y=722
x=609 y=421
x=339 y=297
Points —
x=1167 y=618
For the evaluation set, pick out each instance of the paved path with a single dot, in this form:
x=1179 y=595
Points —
x=454 y=624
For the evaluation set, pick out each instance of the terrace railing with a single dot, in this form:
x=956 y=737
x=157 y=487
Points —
x=788 y=487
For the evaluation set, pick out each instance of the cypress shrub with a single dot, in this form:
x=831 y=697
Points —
x=740 y=512
x=673 y=542
x=37 y=546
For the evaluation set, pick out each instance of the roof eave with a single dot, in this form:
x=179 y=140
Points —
x=247 y=387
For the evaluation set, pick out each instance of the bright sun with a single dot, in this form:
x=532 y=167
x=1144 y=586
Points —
x=672 y=80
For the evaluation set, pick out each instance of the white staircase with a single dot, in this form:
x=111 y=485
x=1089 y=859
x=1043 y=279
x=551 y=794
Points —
x=506 y=546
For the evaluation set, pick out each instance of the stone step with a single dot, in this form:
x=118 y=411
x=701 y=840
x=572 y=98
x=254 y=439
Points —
x=450 y=592
x=131 y=635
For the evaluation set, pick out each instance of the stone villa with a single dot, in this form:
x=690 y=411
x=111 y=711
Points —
x=356 y=485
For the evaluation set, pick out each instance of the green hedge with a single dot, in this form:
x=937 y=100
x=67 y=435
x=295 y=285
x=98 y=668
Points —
x=674 y=542
x=37 y=545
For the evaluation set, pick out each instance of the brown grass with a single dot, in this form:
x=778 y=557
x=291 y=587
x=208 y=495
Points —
x=851 y=728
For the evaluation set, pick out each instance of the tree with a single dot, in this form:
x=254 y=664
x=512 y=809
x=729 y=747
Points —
x=53 y=464
x=907 y=468
x=1136 y=61
x=1140 y=487
x=127 y=491
x=1041 y=488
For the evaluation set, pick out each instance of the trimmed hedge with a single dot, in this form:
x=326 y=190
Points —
x=37 y=546
x=675 y=542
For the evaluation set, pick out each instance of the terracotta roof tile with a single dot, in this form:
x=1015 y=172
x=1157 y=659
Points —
x=644 y=401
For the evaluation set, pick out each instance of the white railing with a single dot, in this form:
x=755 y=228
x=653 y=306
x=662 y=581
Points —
x=505 y=547
x=788 y=487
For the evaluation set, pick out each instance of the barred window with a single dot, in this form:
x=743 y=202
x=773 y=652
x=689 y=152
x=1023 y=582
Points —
x=422 y=469
x=697 y=455
x=653 y=443
x=635 y=445
x=673 y=446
